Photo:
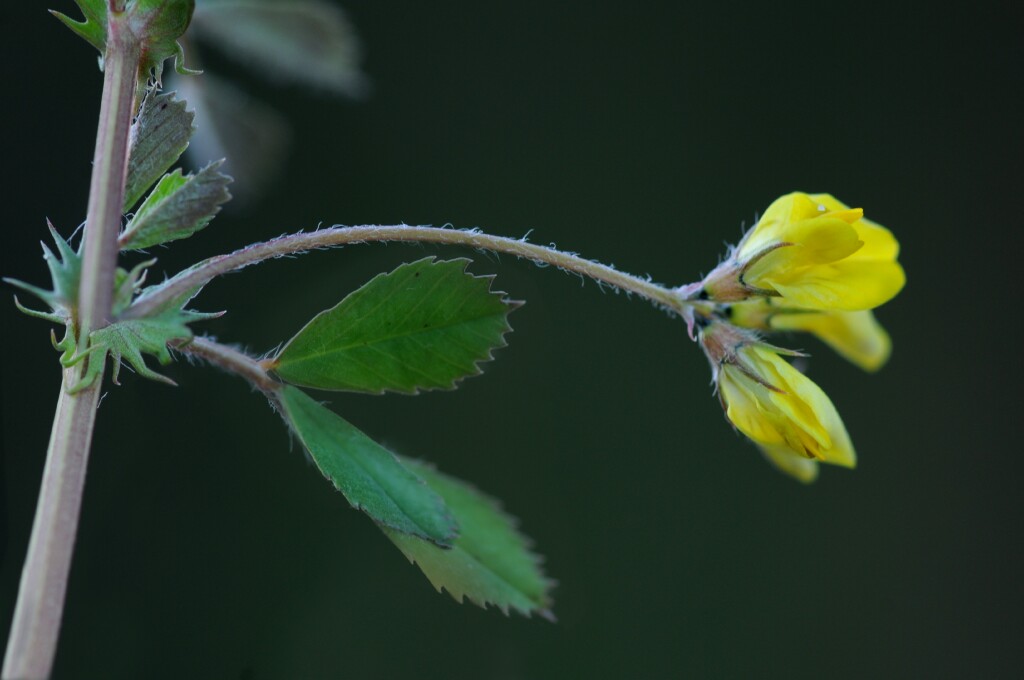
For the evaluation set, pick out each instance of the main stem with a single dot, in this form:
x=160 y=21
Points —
x=109 y=169
x=32 y=644
x=37 y=614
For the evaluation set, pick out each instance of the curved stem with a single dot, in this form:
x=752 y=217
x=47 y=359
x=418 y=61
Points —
x=189 y=281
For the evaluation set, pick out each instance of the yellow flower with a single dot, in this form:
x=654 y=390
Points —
x=788 y=416
x=815 y=253
x=857 y=336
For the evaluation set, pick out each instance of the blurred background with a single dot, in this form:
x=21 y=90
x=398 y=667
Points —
x=644 y=136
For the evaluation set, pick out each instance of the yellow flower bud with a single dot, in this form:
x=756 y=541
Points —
x=773 y=404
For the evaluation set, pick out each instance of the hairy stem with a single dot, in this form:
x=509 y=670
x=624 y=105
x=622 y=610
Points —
x=37 y=615
x=232 y=360
x=191 y=280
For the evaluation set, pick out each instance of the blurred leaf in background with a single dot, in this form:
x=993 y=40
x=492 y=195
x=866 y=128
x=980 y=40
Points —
x=306 y=42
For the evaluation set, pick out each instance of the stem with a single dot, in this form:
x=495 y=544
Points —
x=231 y=360
x=37 y=615
x=188 y=282
x=237 y=362
x=109 y=168
x=44 y=578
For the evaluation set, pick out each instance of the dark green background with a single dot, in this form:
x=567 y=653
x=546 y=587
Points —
x=643 y=136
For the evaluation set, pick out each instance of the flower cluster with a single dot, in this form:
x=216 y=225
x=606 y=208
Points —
x=810 y=264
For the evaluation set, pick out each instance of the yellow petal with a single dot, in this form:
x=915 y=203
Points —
x=857 y=336
x=744 y=410
x=879 y=243
x=805 y=432
x=849 y=284
x=778 y=215
x=812 y=411
x=816 y=241
x=798 y=467
x=797 y=416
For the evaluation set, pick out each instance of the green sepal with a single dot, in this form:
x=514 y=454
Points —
x=35 y=313
x=159 y=135
x=65 y=273
x=179 y=63
x=126 y=285
x=67 y=346
x=369 y=476
x=426 y=325
x=127 y=341
x=181 y=300
x=94 y=29
x=179 y=206
x=156 y=24
x=490 y=563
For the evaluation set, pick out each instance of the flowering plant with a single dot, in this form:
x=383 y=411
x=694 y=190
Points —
x=811 y=263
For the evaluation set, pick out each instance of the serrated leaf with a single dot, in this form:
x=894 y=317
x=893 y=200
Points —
x=305 y=41
x=178 y=207
x=369 y=476
x=490 y=562
x=425 y=325
x=94 y=29
x=159 y=135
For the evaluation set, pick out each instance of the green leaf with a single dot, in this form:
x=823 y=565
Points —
x=490 y=562
x=370 y=476
x=177 y=207
x=159 y=136
x=305 y=41
x=94 y=29
x=425 y=325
